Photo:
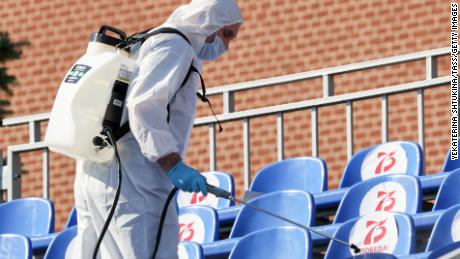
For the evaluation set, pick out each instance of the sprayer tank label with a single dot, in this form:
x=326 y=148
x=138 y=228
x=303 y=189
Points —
x=124 y=74
x=77 y=72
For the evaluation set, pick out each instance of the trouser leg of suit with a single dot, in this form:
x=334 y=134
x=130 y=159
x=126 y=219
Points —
x=133 y=229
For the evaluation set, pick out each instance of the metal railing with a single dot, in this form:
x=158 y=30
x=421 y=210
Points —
x=228 y=91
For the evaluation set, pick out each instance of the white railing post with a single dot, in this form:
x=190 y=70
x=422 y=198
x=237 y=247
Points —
x=314 y=132
x=247 y=153
x=280 y=135
x=384 y=116
x=212 y=147
x=350 y=138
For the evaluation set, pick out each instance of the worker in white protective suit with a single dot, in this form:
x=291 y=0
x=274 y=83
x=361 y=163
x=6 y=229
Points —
x=152 y=153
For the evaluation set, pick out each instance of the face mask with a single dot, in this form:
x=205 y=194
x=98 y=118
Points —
x=213 y=50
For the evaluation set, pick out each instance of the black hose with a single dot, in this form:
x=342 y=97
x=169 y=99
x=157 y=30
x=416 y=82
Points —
x=117 y=194
x=162 y=219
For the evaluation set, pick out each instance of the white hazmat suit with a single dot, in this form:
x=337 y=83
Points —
x=163 y=62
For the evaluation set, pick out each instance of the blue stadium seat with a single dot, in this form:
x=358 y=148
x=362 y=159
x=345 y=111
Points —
x=293 y=204
x=446 y=229
x=41 y=243
x=450 y=164
x=27 y=216
x=13 y=246
x=398 y=157
x=449 y=191
x=395 y=193
x=448 y=251
x=383 y=232
x=373 y=256
x=274 y=243
x=58 y=246
x=307 y=174
x=72 y=219
x=218 y=179
x=198 y=224
x=190 y=250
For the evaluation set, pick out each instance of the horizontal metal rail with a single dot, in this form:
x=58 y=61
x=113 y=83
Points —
x=328 y=71
x=332 y=100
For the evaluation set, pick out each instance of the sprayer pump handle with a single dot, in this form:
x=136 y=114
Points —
x=105 y=28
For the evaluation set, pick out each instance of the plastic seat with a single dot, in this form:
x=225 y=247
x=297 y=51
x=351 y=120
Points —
x=13 y=246
x=198 y=224
x=72 y=219
x=60 y=243
x=373 y=256
x=307 y=174
x=295 y=205
x=446 y=229
x=450 y=164
x=27 y=216
x=218 y=179
x=398 y=157
x=382 y=232
x=448 y=251
x=395 y=193
x=449 y=191
x=190 y=250
x=274 y=243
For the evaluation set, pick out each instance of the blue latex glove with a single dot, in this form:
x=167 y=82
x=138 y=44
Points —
x=187 y=179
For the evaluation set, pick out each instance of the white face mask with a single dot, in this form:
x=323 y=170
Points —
x=212 y=50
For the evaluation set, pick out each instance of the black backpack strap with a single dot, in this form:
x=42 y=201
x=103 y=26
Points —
x=144 y=35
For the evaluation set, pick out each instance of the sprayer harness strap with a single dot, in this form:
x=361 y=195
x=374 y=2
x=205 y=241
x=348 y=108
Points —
x=141 y=37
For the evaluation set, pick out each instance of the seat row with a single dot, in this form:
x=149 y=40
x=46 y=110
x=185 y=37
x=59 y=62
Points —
x=310 y=174
x=381 y=232
x=391 y=193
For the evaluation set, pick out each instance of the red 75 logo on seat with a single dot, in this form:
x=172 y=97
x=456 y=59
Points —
x=386 y=201
x=383 y=165
x=186 y=232
x=197 y=198
x=376 y=233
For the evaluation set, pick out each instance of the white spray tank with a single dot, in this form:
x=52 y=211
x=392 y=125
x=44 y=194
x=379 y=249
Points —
x=77 y=117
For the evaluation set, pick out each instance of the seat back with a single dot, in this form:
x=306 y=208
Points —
x=273 y=243
x=13 y=246
x=395 y=193
x=72 y=219
x=307 y=174
x=450 y=164
x=218 y=179
x=382 y=232
x=398 y=157
x=58 y=247
x=373 y=256
x=190 y=250
x=449 y=251
x=446 y=230
x=27 y=216
x=293 y=204
x=449 y=191
x=198 y=224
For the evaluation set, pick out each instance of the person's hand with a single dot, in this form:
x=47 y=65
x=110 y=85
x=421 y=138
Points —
x=187 y=179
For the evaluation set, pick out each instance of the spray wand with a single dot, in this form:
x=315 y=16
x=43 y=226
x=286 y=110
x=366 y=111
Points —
x=227 y=195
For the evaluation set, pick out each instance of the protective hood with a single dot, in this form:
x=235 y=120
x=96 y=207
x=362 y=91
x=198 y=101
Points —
x=201 y=18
